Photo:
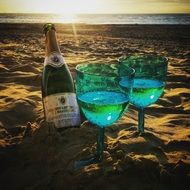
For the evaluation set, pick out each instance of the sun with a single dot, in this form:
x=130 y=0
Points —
x=66 y=18
x=75 y=7
x=66 y=7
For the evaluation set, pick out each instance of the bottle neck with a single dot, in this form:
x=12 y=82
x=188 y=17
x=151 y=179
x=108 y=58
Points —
x=51 y=43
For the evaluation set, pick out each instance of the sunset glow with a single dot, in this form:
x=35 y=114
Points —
x=94 y=6
x=53 y=6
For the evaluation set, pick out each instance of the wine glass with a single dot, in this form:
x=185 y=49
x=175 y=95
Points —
x=101 y=98
x=149 y=81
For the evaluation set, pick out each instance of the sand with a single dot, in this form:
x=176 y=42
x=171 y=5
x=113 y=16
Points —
x=29 y=159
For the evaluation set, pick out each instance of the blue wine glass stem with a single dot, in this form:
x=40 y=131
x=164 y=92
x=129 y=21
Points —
x=100 y=144
x=141 y=120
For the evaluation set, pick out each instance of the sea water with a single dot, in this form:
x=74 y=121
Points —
x=96 y=18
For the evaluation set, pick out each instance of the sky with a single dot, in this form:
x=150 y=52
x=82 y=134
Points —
x=94 y=6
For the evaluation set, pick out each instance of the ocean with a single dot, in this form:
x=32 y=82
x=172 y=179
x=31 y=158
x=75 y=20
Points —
x=183 y=19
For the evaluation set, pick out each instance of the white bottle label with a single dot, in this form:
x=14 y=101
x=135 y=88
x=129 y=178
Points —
x=62 y=109
x=54 y=59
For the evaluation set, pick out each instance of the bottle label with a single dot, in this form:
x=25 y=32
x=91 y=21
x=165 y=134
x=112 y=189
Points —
x=54 y=59
x=62 y=110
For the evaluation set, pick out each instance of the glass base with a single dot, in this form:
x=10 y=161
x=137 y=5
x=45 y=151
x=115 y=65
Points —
x=141 y=133
x=98 y=157
x=86 y=162
x=136 y=134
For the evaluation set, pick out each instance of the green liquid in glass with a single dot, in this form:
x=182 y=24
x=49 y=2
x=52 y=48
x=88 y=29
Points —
x=146 y=92
x=103 y=107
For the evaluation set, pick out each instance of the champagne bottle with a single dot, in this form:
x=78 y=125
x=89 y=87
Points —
x=58 y=93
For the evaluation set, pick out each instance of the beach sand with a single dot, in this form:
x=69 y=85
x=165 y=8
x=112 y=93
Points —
x=29 y=159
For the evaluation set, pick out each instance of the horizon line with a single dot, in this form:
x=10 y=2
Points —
x=87 y=13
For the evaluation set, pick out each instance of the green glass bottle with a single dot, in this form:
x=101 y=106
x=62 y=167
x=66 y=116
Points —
x=58 y=93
